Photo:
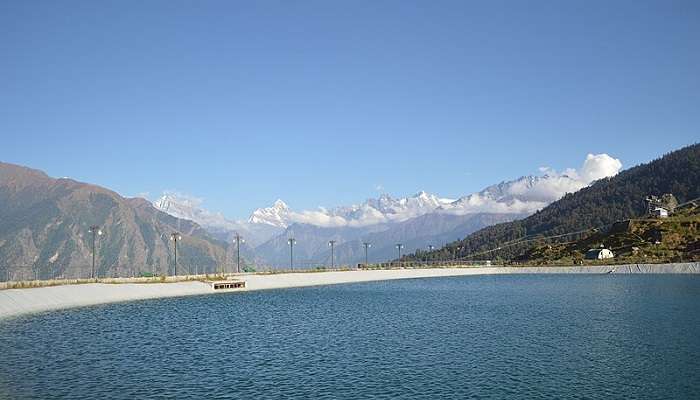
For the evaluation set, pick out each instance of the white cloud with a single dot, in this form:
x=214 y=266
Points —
x=318 y=218
x=549 y=188
x=598 y=166
x=478 y=203
x=365 y=216
x=555 y=185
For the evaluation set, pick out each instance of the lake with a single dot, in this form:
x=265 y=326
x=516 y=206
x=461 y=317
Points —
x=486 y=337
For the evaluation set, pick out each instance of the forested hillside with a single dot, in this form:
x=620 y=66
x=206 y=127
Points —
x=603 y=203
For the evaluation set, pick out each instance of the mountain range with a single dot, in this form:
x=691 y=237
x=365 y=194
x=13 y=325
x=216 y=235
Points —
x=45 y=225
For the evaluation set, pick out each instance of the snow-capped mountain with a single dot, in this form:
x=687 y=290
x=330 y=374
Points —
x=382 y=210
x=186 y=207
x=190 y=208
x=531 y=193
x=418 y=204
x=278 y=215
x=521 y=196
x=386 y=209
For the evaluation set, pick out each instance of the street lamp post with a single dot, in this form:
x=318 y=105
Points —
x=96 y=231
x=399 y=246
x=455 y=252
x=367 y=246
x=291 y=242
x=175 y=236
x=239 y=240
x=332 y=244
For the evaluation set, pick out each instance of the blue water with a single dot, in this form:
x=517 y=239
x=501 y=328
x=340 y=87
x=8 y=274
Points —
x=489 y=337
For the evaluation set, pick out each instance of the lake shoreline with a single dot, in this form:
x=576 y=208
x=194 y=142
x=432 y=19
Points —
x=16 y=302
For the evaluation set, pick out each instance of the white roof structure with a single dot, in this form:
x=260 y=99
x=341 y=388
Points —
x=660 y=212
x=599 y=254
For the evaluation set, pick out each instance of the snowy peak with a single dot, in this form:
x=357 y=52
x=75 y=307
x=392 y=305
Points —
x=386 y=209
x=418 y=204
x=190 y=208
x=426 y=200
x=278 y=215
x=511 y=197
x=528 y=194
x=179 y=206
x=280 y=205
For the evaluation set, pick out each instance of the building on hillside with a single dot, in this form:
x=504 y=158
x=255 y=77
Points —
x=668 y=202
x=599 y=254
x=660 y=212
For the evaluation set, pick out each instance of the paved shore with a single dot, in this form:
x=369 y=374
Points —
x=278 y=281
x=14 y=302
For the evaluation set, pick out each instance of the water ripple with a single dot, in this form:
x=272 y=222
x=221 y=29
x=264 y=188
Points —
x=528 y=337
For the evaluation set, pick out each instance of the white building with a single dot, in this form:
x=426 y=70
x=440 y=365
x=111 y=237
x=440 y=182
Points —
x=660 y=212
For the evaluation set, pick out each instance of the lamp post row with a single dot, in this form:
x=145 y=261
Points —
x=238 y=239
x=174 y=237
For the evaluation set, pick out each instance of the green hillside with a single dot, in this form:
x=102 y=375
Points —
x=639 y=240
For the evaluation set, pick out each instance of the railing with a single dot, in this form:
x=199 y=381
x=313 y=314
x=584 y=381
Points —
x=73 y=272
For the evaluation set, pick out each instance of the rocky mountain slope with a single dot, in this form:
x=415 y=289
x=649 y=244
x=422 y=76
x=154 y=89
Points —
x=45 y=222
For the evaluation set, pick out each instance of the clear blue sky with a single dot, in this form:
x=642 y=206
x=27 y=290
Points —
x=318 y=102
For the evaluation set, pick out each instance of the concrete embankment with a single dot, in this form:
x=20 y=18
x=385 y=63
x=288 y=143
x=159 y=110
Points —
x=676 y=268
x=15 y=302
x=25 y=301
